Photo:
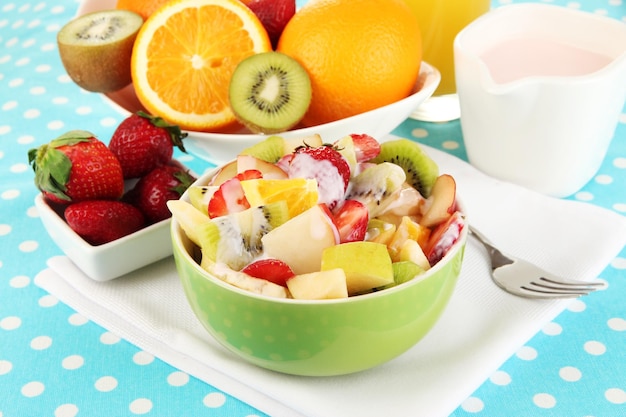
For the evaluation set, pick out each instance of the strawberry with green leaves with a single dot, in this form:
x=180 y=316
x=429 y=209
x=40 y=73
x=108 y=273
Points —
x=75 y=167
x=102 y=221
x=143 y=142
x=152 y=191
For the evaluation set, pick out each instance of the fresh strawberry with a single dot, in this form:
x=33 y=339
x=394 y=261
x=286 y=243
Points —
x=152 y=191
x=143 y=142
x=351 y=221
x=443 y=237
x=365 y=146
x=326 y=165
x=102 y=221
x=273 y=270
x=75 y=167
x=230 y=198
x=274 y=14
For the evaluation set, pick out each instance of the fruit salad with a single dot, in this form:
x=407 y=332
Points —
x=303 y=219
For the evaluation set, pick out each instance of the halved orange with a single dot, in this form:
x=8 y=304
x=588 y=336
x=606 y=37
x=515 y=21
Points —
x=184 y=57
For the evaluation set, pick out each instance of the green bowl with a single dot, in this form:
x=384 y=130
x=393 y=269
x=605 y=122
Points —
x=316 y=338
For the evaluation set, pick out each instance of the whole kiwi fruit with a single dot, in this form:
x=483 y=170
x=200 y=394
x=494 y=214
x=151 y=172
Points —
x=96 y=48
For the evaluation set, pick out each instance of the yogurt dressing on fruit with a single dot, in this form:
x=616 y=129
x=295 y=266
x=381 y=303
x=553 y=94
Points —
x=326 y=175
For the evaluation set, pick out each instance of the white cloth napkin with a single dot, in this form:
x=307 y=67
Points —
x=480 y=329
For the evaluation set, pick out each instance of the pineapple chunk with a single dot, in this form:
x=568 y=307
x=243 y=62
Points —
x=412 y=251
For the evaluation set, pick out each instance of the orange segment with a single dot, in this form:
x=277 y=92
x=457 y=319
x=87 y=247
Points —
x=299 y=193
x=185 y=54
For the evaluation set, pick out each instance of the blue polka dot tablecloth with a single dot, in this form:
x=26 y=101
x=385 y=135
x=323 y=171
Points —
x=55 y=362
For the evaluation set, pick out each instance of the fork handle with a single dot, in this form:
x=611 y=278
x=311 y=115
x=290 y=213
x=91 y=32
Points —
x=498 y=259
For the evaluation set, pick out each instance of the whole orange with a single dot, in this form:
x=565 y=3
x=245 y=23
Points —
x=360 y=54
x=142 y=7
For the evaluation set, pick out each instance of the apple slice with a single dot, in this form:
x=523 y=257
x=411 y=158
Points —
x=441 y=203
x=367 y=265
x=322 y=285
x=312 y=141
x=443 y=237
x=267 y=169
x=345 y=146
x=224 y=174
x=365 y=146
x=300 y=241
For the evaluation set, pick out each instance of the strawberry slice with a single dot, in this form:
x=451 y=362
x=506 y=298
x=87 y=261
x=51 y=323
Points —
x=273 y=270
x=324 y=164
x=351 y=221
x=230 y=198
x=443 y=237
x=365 y=147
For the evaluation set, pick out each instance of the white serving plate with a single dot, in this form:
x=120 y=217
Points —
x=219 y=148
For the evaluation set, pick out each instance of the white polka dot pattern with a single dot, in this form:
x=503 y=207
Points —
x=55 y=362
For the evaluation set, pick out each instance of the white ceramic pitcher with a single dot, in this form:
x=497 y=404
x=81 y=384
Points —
x=541 y=89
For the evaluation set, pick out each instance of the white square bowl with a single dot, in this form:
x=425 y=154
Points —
x=110 y=260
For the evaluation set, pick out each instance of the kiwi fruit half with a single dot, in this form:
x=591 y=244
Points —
x=96 y=48
x=269 y=92
x=421 y=171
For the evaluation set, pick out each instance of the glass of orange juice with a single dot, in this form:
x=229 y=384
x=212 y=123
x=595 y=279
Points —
x=440 y=21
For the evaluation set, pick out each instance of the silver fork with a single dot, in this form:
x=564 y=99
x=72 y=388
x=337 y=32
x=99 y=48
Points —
x=525 y=279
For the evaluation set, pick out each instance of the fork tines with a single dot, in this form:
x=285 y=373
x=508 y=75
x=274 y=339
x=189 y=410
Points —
x=548 y=287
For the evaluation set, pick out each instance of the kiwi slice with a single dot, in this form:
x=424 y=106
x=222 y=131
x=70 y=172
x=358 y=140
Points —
x=270 y=149
x=96 y=49
x=405 y=271
x=269 y=92
x=200 y=195
x=235 y=239
x=375 y=185
x=421 y=171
